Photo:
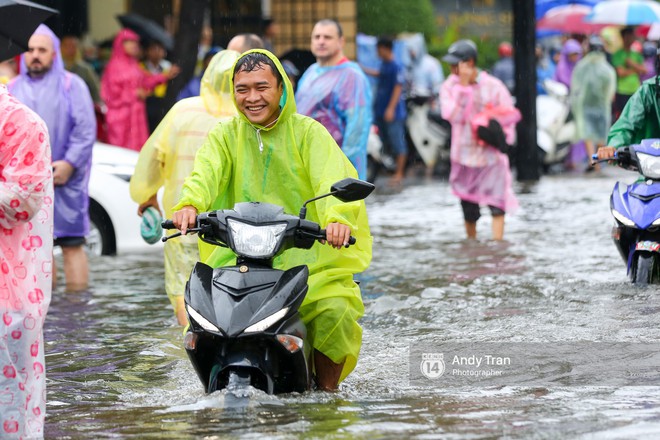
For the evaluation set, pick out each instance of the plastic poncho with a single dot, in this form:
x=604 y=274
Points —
x=126 y=116
x=26 y=253
x=479 y=174
x=426 y=75
x=167 y=159
x=640 y=118
x=63 y=101
x=592 y=89
x=300 y=160
x=339 y=97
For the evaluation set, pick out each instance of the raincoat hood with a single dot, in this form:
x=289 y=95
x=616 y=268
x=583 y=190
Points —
x=287 y=102
x=216 y=87
x=119 y=59
x=416 y=44
x=118 y=52
x=58 y=64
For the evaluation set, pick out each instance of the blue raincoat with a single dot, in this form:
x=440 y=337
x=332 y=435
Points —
x=339 y=97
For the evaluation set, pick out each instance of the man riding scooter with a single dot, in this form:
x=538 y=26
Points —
x=270 y=153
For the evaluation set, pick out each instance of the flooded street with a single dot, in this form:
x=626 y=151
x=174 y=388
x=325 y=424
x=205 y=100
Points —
x=116 y=367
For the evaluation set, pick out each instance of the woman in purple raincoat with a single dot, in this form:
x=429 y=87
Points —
x=571 y=53
x=63 y=101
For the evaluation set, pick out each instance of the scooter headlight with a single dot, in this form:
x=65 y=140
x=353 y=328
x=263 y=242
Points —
x=267 y=322
x=649 y=165
x=622 y=218
x=255 y=241
x=199 y=319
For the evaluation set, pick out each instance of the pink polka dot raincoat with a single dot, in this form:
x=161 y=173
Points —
x=26 y=243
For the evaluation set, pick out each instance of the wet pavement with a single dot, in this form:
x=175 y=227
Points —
x=116 y=367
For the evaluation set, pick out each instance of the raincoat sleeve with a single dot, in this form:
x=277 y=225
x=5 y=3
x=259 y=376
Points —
x=151 y=168
x=211 y=173
x=328 y=165
x=638 y=120
x=151 y=80
x=83 y=127
x=22 y=181
x=455 y=102
x=503 y=99
x=355 y=107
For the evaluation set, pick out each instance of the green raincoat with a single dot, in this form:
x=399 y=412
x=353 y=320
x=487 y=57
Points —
x=640 y=118
x=167 y=158
x=300 y=160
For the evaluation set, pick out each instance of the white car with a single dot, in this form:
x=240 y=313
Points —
x=114 y=223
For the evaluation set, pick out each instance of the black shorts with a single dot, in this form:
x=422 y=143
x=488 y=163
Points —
x=471 y=211
x=69 y=241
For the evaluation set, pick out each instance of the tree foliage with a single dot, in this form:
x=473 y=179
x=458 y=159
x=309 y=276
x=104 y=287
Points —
x=392 y=17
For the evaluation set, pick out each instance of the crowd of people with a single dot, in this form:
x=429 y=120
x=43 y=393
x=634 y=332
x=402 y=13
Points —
x=600 y=81
x=244 y=131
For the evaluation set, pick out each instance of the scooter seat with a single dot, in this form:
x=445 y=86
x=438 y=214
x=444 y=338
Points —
x=436 y=118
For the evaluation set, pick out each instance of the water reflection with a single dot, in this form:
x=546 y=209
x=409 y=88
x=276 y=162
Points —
x=116 y=367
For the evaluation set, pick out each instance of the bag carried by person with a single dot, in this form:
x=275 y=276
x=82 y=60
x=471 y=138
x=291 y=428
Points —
x=487 y=126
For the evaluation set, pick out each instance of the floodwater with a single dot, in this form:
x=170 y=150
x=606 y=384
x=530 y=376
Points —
x=116 y=367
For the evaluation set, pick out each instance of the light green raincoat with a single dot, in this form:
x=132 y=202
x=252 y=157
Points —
x=300 y=160
x=167 y=158
x=592 y=89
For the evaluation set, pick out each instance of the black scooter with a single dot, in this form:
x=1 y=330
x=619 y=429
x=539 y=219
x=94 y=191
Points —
x=244 y=323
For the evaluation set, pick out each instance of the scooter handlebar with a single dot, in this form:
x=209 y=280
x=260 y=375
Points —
x=351 y=240
x=168 y=224
x=594 y=157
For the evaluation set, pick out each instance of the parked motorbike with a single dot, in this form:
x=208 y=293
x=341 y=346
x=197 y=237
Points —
x=636 y=211
x=428 y=137
x=554 y=124
x=244 y=323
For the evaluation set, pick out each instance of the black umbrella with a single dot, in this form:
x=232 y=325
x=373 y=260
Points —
x=147 y=29
x=300 y=58
x=18 y=20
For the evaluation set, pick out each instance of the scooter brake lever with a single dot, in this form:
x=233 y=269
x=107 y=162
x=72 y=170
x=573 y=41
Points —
x=178 y=234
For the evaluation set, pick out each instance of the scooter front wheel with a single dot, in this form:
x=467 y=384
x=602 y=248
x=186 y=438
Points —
x=646 y=269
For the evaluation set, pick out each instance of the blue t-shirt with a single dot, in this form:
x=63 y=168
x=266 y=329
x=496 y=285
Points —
x=391 y=74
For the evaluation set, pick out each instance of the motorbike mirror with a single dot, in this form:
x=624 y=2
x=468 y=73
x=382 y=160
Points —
x=346 y=190
x=350 y=190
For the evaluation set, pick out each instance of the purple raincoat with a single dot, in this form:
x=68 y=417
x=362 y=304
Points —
x=339 y=97
x=564 y=70
x=63 y=101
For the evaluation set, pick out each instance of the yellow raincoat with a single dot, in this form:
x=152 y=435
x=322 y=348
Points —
x=168 y=157
x=300 y=160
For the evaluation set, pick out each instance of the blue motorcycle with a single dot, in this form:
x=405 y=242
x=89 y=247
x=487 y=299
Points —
x=636 y=211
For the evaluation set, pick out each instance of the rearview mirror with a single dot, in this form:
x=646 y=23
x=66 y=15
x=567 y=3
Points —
x=346 y=190
x=350 y=190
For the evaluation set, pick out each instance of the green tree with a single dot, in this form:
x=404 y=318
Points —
x=392 y=17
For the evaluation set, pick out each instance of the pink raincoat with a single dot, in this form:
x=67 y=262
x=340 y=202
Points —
x=26 y=245
x=127 y=113
x=479 y=173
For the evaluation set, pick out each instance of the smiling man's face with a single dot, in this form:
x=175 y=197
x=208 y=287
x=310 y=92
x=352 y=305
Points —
x=258 y=94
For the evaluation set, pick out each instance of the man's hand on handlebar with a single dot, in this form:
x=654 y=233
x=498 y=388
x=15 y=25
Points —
x=606 y=153
x=185 y=218
x=337 y=235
